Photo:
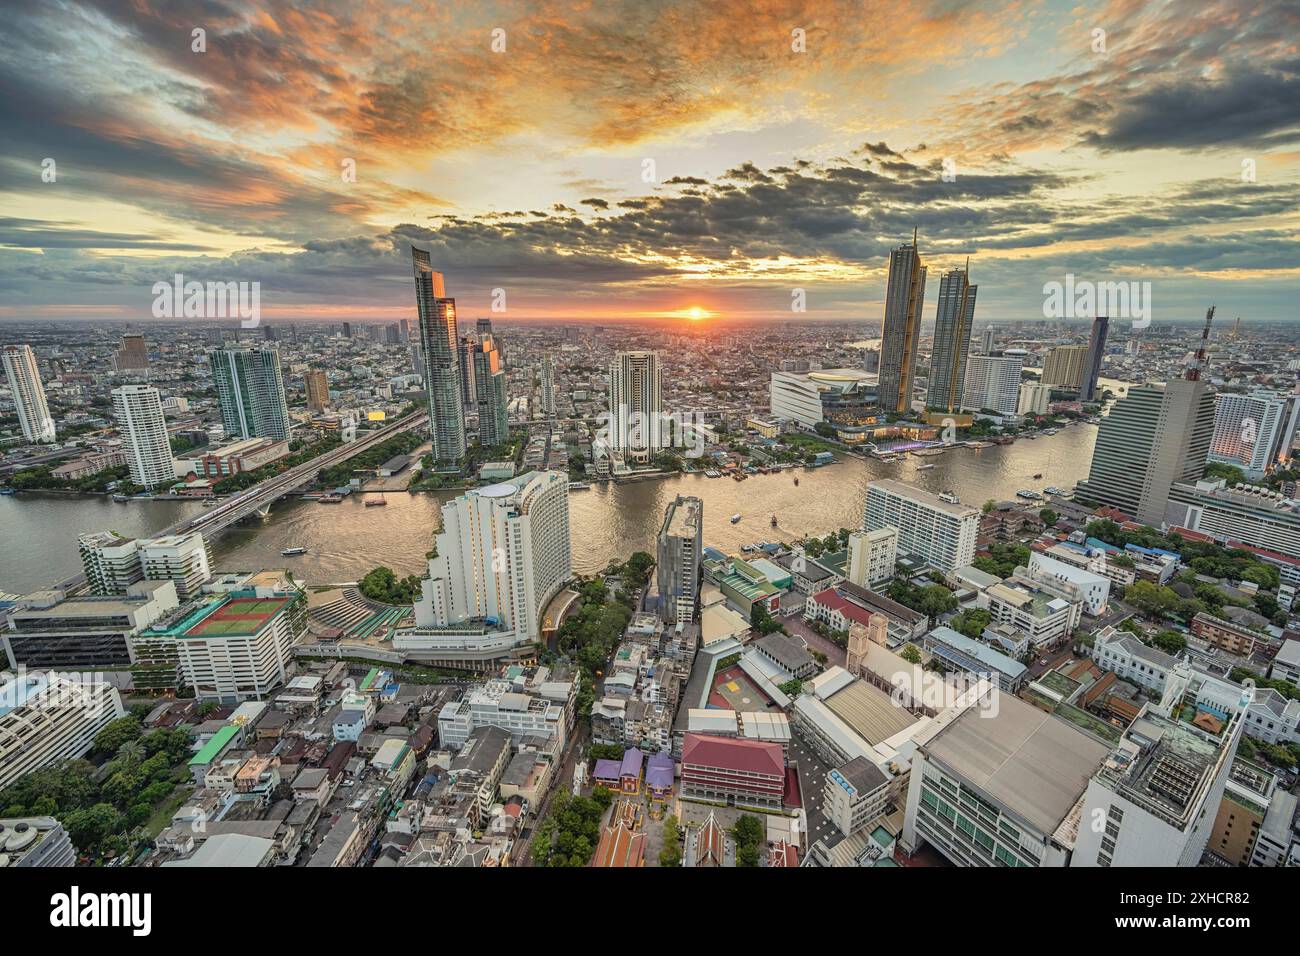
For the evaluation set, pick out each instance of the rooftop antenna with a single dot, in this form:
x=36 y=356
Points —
x=1193 y=373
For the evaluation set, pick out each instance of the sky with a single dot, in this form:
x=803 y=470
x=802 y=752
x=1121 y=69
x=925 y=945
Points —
x=613 y=160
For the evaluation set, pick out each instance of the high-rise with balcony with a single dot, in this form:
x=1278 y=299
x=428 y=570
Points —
x=635 y=409
x=953 y=318
x=993 y=382
x=502 y=554
x=318 y=389
x=904 y=296
x=938 y=528
x=250 y=390
x=1064 y=366
x=441 y=354
x=679 y=557
x=144 y=435
x=24 y=377
x=133 y=356
x=547 y=377
x=1254 y=431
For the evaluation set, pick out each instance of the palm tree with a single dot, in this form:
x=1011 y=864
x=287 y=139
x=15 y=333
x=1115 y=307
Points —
x=131 y=752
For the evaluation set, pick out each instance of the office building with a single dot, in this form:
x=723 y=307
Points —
x=318 y=390
x=502 y=554
x=439 y=347
x=91 y=632
x=1034 y=399
x=1128 y=658
x=231 y=646
x=1091 y=373
x=1064 y=366
x=1154 y=436
x=547 y=377
x=465 y=348
x=1042 y=616
x=635 y=407
x=679 y=557
x=144 y=435
x=872 y=555
x=250 y=390
x=986 y=341
x=1092 y=587
x=45 y=717
x=937 y=528
x=844 y=398
x=526 y=703
x=24 y=377
x=993 y=382
x=855 y=795
x=1254 y=432
x=1250 y=514
x=953 y=318
x=904 y=297
x=1157 y=793
x=1000 y=786
x=110 y=562
x=490 y=393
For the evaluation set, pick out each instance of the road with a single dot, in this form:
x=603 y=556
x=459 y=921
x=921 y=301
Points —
x=521 y=852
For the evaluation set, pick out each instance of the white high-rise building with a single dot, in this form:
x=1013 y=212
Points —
x=872 y=555
x=144 y=433
x=181 y=558
x=635 y=406
x=1034 y=399
x=503 y=553
x=111 y=562
x=993 y=382
x=46 y=717
x=1254 y=431
x=24 y=377
x=939 y=529
x=548 y=387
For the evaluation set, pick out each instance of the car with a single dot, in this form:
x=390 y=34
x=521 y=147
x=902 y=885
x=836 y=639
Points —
x=1043 y=662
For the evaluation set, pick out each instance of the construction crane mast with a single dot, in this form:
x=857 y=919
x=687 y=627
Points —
x=1198 y=361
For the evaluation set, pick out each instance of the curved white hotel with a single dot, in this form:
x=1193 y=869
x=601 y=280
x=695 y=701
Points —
x=502 y=554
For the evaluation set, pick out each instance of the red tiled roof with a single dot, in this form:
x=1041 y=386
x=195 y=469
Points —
x=832 y=599
x=749 y=756
x=783 y=854
x=620 y=847
x=1275 y=555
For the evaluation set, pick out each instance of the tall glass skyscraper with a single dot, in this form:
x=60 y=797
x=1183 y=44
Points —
x=250 y=390
x=953 y=318
x=438 y=346
x=490 y=393
x=1092 y=361
x=904 y=297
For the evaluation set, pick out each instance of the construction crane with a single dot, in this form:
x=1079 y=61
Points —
x=1198 y=361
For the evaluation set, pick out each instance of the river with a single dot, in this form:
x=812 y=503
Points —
x=38 y=532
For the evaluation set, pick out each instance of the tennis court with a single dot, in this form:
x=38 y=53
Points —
x=239 y=616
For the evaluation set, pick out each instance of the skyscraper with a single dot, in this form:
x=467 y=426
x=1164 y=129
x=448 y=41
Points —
x=986 y=341
x=502 y=554
x=1092 y=360
x=1254 y=431
x=937 y=528
x=635 y=409
x=24 y=377
x=548 y=387
x=250 y=390
x=438 y=345
x=318 y=389
x=144 y=435
x=465 y=347
x=134 y=353
x=904 y=296
x=490 y=393
x=953 y=317
x=1154 y=436
x=993 y=382
x=679 y=557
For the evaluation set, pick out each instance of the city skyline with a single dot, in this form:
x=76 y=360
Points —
x=1108 y=158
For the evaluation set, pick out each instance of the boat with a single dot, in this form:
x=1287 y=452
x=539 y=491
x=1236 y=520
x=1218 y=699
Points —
x=330 y=499
x=121 y=499
x=1037 y=476
x=578 y=486
x=7 y=491
x=376 y=502
x=924 y=467
x=1057 y=492
x=1029 y=494
x=735 y=518
x=796 y=482
x=773 y=521
x=292 y=552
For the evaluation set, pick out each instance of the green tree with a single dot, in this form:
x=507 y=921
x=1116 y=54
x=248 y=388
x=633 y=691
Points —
x=910 y=654
x=116 y=733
